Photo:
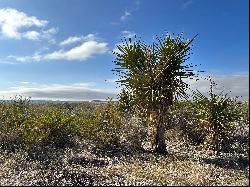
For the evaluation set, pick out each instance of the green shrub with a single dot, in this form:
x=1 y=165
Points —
x=13 y=115
x=84 y=109
x=53 y=127
x=104 y=126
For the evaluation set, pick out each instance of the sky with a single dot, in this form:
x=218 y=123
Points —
x=62 y=50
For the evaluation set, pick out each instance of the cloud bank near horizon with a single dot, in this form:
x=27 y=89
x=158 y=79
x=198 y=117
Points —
x=237 y=84
x=67 y=92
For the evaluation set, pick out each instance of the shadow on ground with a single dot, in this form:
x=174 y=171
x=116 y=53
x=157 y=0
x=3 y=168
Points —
x=240 y=163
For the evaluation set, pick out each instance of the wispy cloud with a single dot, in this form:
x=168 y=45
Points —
x=15 y=24
x=71 y=40
x=49 y=33
x=186 y=4
x=125 y=15
x=128 y=34
x=115 y=49
x=111 y=80
x=75 y=39
x=71 y=92
x=237 y=84
x=35 y=57
x=25 y=82
x=32 y=35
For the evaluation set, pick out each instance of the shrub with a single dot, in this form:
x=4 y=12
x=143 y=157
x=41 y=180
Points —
x=53 y=127
x=183 y=117
x=240 y=135
x=13 y=115
x=104 y=126
x=134 y=132
x=217 y=115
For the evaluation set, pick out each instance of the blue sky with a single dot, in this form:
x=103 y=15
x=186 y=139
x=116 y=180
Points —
x=63 y=49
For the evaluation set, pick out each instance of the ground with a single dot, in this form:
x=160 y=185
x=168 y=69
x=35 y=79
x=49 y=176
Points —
x=83 y=164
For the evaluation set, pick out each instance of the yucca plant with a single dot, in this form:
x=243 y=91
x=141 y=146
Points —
x=216 y=113
x=152 y=76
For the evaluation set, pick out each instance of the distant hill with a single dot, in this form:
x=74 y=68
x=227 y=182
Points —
x=97 y=101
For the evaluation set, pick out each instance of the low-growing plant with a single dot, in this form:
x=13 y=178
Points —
x=53 y=127
x=13 y=115
x=104 y=126
x=134 y=133
x=244 y=113
x=184 y=120
x=216 y=116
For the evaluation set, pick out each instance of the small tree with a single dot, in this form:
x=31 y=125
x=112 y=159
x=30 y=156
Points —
x=152 y=75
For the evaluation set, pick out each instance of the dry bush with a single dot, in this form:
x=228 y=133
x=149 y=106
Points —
x=184 y=123
x=134 y=132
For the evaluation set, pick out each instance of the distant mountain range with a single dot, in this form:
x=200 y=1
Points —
x=59 y=101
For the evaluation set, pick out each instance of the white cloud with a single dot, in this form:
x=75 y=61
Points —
x=50 y=31
x=116 y=50
x=12 y=21
x=82 y=52
x=32 y=35
x=90 y=37
x=238 y=84
x=35 y=57
x=128 y=34
x=71 y=92
x=47 y=34
x=125 y=15
x=25 y=82
x=75 y=39
x=71 y=40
